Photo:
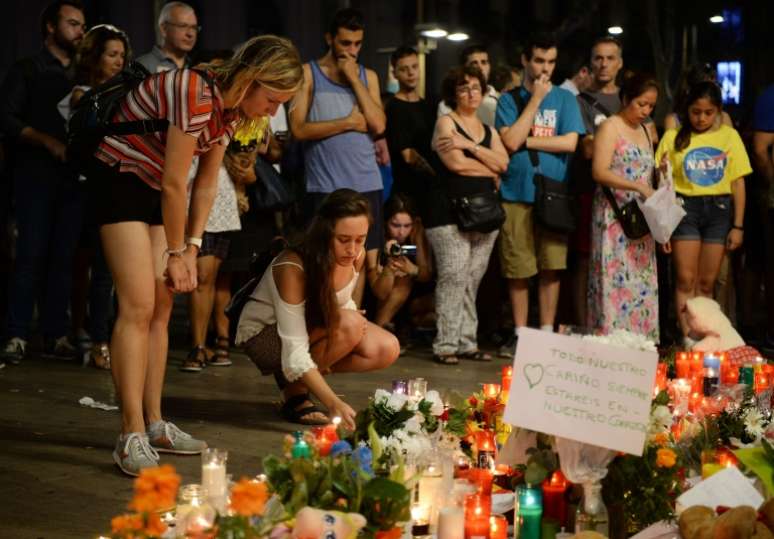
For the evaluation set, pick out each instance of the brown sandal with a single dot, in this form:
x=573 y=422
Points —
x=100 y=356
x=195 y=361
x=220 y=356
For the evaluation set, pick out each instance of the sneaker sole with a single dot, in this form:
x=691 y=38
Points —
x=191 y=369
x=176 y=451
x=220 y=363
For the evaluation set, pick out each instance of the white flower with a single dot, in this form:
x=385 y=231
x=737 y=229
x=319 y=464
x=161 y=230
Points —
x=414 y=425
x=753 y=423
x=434 y=398
x=625 y=339
x=660 y=420
x=397 y=401
x=381 y=395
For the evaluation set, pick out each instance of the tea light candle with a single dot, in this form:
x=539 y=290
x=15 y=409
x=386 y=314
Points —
x=420 y=518
x=451 y=523
x=477 y=511
x=498 y=527
x=554 y=504
x=491 y=391
x=682 y=365
x=417 y=388
x=400 y=386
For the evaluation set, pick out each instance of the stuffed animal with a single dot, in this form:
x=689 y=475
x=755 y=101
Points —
x=710 y=327
x=700 y=522
x=311 y=523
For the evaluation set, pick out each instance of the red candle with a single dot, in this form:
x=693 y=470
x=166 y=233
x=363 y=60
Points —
x=677 y=430
x=761 y=382
x=682 y=365
x=486 y=447
x=477 y=511
x=507 y=377
x=697 y=382
x=554 y=504
x=498 y=527
x=326 y=436
x=491 y=391
x=730 y=375
x=694 y=403
x=697 y=362
x=482 y=479
x=726 y=458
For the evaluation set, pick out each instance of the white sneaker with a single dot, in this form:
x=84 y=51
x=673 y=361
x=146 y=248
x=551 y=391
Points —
x=133 y=452
x=14 y=350
x=166 y=437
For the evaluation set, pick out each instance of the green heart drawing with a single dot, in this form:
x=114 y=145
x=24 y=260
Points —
x=533 y=372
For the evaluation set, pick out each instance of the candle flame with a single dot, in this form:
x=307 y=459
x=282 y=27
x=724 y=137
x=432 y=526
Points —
x=336 y=420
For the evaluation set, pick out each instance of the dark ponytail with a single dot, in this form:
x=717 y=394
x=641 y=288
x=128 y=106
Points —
x=702 y=90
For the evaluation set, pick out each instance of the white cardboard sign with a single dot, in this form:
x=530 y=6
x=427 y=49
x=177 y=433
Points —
x=582 y=390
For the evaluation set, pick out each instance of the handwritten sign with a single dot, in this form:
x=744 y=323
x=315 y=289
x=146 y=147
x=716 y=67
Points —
x=582 y=390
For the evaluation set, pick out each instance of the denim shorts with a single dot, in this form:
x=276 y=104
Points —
x=707 y=219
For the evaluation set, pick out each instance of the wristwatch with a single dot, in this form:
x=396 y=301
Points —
x=197 y=242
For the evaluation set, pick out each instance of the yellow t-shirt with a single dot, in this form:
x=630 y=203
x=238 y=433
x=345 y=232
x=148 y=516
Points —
x=709 y=164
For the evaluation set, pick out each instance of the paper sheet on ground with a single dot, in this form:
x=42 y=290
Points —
x=659 y=530
x=582 y=390
x=91 y=403
x=728 y=487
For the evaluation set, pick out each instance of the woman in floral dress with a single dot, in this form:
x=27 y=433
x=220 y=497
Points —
x=623 y=284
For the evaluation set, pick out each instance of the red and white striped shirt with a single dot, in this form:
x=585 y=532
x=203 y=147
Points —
x=183 y=97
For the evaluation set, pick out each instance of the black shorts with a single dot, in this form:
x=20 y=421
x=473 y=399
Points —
x=118 y=197
x=216 y=244
x=375 y=239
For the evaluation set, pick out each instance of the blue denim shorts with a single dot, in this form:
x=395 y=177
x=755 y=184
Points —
x=707 y=219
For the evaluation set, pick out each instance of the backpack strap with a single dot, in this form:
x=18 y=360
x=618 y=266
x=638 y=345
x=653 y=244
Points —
x=595 y=104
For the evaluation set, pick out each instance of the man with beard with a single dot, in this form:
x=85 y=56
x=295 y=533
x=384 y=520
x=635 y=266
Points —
x=178 y=30
x=409 y=129
x=48 y=198
x=337 y=114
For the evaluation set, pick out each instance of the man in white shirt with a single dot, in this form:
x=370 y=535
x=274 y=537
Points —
x=478 y=56
x=579 y=76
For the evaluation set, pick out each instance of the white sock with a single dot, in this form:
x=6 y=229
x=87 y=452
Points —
x=156 y=427
x=547 y=327
x=516 y=331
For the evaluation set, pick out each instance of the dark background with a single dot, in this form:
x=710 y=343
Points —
x=659 y=35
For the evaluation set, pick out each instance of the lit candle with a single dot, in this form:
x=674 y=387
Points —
x=451 y=523
x=694 y=403
x=697 y=362
x=730 y=375
x=682 y=390
x=710 y=381
x=682 y=365
x=661 y=376
x=420 y=519
x=214 y=476
x=400 y=386
x=486 y=447
x=417 y=388
x=530 y=511
x=761 y=382
x=554 y=504
x=498 y=527
x=697 y=382
x=491 y=391
x=727 y=459
x=747 y=375
x=507 y=378
x=300 y=449
x=429 y=490
x=477 y=511
x=482 y=479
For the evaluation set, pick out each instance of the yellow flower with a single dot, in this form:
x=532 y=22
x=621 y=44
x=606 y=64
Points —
x=665 y=458
x=248 y=497
x=661 y=439
x=155 y=489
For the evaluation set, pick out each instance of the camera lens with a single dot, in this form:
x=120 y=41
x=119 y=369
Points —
x=395 y=250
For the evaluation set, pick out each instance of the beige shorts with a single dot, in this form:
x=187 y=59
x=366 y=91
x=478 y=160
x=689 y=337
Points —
x=526 y=247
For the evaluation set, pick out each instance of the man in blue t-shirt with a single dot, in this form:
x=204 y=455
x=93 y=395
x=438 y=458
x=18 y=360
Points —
x=763 y=144
x=550 y=124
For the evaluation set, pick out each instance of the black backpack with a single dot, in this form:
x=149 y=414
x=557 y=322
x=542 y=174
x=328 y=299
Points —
x=91 y=120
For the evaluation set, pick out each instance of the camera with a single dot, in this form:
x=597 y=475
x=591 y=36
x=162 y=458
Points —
x=402 y=250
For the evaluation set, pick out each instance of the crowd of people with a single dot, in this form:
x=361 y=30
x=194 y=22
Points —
x=353 y=222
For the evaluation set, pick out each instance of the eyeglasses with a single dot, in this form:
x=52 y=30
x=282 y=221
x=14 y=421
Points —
x=183 y=26
x=470 y=90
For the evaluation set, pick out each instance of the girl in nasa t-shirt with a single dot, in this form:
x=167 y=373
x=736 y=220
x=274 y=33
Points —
x=709 y=163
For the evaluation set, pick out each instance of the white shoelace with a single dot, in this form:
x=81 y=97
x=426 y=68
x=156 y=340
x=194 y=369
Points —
x=172 y=432
x=145 y=447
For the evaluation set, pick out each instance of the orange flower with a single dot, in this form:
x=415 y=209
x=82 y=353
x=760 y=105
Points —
x=126 y=523
x=248 y=497
x=662 y=438
x=154 y=527
x=665 y=458
x=155 y=489
x=394 y=533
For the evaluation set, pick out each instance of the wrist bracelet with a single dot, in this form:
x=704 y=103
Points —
x=175 y=252
x=193 y=240
x=738 y=227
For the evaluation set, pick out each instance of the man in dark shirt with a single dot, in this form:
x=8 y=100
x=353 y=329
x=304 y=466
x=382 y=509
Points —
x=409 y=130
x=48 y=199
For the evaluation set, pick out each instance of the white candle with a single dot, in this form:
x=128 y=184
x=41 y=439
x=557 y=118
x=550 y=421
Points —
x=214 y=480
x=451 y=523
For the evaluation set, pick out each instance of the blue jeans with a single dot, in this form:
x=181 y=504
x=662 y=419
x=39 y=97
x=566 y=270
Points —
x=49 y=212
x=100 y=296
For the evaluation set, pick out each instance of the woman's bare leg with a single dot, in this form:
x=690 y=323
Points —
x=222 y=297
x=686 y=257
x=390 y=307
x=203 y=298
x=127 y=248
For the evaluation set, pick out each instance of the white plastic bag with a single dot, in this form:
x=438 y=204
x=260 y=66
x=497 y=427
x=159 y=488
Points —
x=661 y=210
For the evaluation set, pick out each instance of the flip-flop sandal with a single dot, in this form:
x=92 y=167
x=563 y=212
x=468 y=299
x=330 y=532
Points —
x=220 y=356
x=291 y=412
x=446 y=359
x=476 y=355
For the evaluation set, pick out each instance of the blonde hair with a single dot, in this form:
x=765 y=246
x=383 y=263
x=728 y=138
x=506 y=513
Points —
x=271 y=61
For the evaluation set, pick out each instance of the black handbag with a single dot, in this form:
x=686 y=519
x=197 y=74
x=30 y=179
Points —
x=481 y=212
x=271 y=192
x=554 y=206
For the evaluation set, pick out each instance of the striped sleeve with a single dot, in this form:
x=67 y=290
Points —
x=186 y=100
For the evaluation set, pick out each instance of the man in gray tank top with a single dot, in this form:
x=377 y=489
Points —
x=337 y=115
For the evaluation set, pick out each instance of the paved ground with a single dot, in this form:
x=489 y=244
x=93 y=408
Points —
x=57 y=478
